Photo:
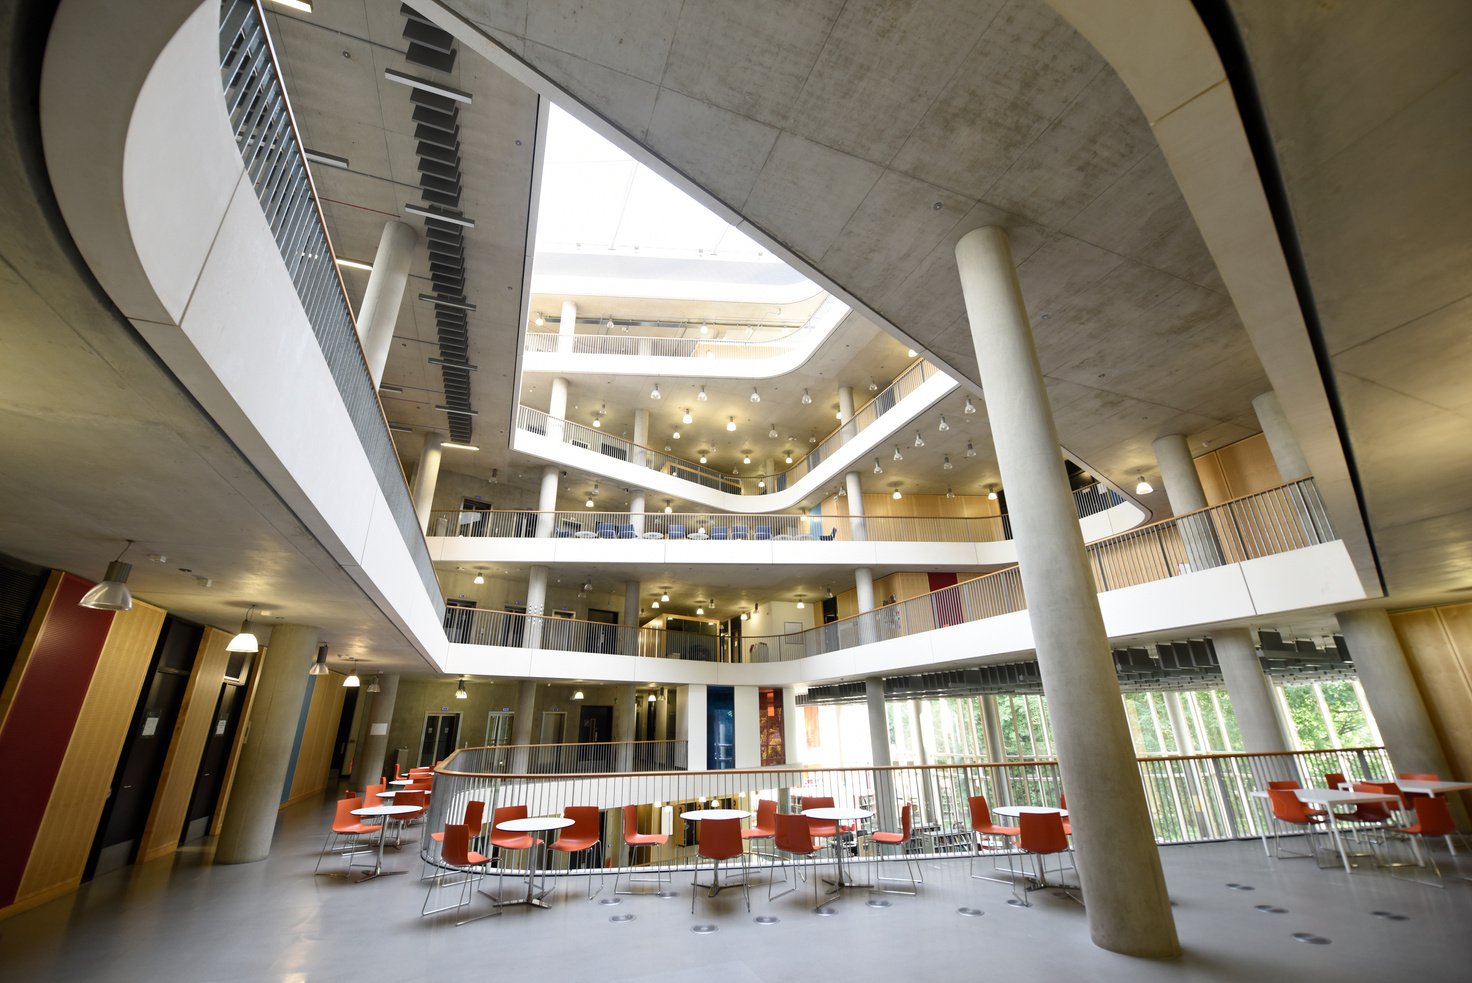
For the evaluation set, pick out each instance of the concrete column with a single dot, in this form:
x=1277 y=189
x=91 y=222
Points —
x=792 y=724
x=426 y=476
x=864 y=596
x=853 y=484
x=557 y=409
x=375 y=743
x=746 y=737
x=630 y=634
x=996 y=749
x=1173 y=710
x=1119 y=863
x=536 y=602
x=640 y=456
x=1391 y=691
x=1286 y=453
x=567 y=326
x=1250 y=690
x=385 y=294
x=636 y=510
x=1184 y=492
x=522 y=724
x=265 y=754
x=884 y=795
x=625 y=714
x=547 y=502
x=846 y=413
x=690 y=723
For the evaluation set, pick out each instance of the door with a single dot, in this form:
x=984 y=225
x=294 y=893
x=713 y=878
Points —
x=601 y=631
x=216 y=757
x=947 y=606
x=595 y=727
x=512 y=629
x=498 y=728
x=441 y=730
x=459 y=619
x=553 y=722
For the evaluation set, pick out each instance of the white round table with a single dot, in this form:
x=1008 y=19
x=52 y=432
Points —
x=385 y=813
x=838 y=814
x=652 y=535
x=699 y=536
x=402 y=781
x=1015 y=811
x=533 y=824
x=585 y=534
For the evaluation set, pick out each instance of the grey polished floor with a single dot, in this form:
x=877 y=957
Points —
x=183 y=919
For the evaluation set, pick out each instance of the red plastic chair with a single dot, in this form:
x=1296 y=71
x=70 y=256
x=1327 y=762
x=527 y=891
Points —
x=821 y=828
x=1287 y=809
x=1433 y=818
x=1063 y=804
x=475 y=811
x=765 y=825
x=633 y=839
x=899 y=840
x=582 y=836
x=983 y=829
x=503 y=842
x=720 y=839
x=344 y=825
x=793 y=837
x=1041 y=836
x=457 y=857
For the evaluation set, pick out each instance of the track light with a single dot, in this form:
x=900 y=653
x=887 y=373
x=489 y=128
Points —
x=970 y=406
x=991 y=493
x=949 y=493
x=772 y=432
x=480 y=578
x=919 y=440
x=701 y=395
x=897 y=455
x=731 y=424
x=944 y=426
x=970 y=451
x=756 y=397
x=654 y=393
x=112 y=593
x=373 y=685
x=877 y=468
x=1144 y=487
x=686 y=418
x=807 y=400
x=873 y=386
x=319 y=667
x=946 y=465
x=896 y=496
x=245 y=640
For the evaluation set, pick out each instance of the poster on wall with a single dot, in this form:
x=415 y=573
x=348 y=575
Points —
x=770 y=727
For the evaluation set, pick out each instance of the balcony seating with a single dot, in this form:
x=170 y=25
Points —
x=633 y=839
x=457 y=856
x=344 y=825
x=900 y=840
x=765 y=825
x=1433 y=818
x=720 y=839
x=763 y=532
x=831 y=535
x=607 y=530
x=719 y=532
x=1042 y=836
x=794 y=838
x=626 y=531
x=676 y=532
x=738 y=532
x=1288 y=809
x=984 y=830
x=582 y=837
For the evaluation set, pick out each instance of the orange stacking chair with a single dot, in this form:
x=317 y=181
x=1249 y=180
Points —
x=983 y=827
x=582 y=836
x=633 y=839
x=1042 y=836
x=344 y=824
x=457 y=857
x=475 y=811
x=509 y=842
x=1433 y=818
x=822 y=828
x=899 y=840
x=1287 y=809
x=794 y=837
x=765 y=825
x=720 y=839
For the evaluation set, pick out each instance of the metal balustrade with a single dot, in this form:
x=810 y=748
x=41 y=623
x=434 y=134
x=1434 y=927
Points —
x=718 y=526
x=1192 y=798
x=265 y=131
x=580 y=758
x=1275 y=521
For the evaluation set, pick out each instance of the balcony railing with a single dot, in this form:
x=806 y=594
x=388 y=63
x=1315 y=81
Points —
x=265 y=131
x=576 y=759
x=718 y=526
x=1192 y=799
x=1275 y=521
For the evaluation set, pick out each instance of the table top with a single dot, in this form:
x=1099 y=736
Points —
x=585 y=534
x=402 y=781
x=1332 y=796
x=696 y=815
x=535 y=824
x=1015 y=811
x=1429 y=786
x=385 y=810
x=389 y=794
x=837 y=813
x=651 y=534
x=787 y=535
x=697 y=535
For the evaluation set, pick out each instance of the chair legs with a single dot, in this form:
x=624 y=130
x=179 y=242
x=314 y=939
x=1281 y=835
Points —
x=467 y=885
x=1042 y=882
x=801 y=869
x=715 y=866
x=598 y=847
x=880 y=879
x=334 y=845
x=662 y=874
x=977 y=853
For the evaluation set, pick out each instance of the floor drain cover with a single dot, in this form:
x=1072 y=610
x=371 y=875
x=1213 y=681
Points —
x=621 y=918
x=1390 y=916
x=971 y=912
x=766 y=919
x=825 y=911
x=703 y=929
x=1310 y=938
x=668 y=894
x=1269 y=909
x=611 y=901
x=877 y=903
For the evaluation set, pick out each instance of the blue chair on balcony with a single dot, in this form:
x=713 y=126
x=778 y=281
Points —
x=676 y=532
x=763 y=532
x=719 y=532
x=738 y=532
x=831 y=535
x=626 y=531
x=607 y=530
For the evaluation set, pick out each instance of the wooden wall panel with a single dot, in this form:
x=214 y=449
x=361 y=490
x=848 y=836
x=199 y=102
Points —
x=1438 y=646
x=77 y=800
x=1242 y=468
x=314 y=757
x=191 y=732
x=1213 y=482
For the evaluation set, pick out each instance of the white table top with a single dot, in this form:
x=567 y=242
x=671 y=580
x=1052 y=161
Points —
x=585 y=534
x=1015 y=811
x=697 y=535
x=1332 y=796
x=389 y=794
x=385 y=810
x=1428 y=786
x=402 y=781
x=696 y=815
x=535 y=824
x=837 y=813
x=651 y=534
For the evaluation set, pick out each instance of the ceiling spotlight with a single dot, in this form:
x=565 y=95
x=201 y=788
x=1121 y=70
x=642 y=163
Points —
x=112 y=593
x=806 y=399
x=773 y=432
x=949 y=493
x=1144 y=487
x=970 y=451
x=897 y=455
x=654 y=393
x=896 y=496
x=877 y=468
x=704 y=328
x=701 y=395
x=756 y=397
x=744 y=616
x=919 y=440
x=664 y=596
x=746 y=459
x=654 y=605
x=991 y=493
x=246 y=640
x=702 y=457
x=944 y=426
x=873 y=386
x=700 y=610
x=352 y=682
x=319 y=668
x=686 y=417
x=674 y=435
x=668 y=507
x=539 y=320
x=480 y=578
x=577 y=694
x=373 y=685
x=589 y=503
x=912 y=353
x=609 y=324
x=460 y=693
x=946 y=465
x=970 y=406
x=789 y=457
x=731 y=424
x=800 y=604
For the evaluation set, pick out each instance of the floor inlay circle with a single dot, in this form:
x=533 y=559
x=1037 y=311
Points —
x=877 y=903
x=621 y=918
x=971 y=912
x=1310 y=938
x=766 y=919
x=703 y=929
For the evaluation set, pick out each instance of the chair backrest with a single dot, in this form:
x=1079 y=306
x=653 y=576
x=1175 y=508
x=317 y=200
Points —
x=981 y=815
x=832 y=535
x=455 y=850
x=766 y=815
x=763 y=532
x=505 y=814
x=370 y=796
x=738 y=532
x=1371 y=812
x=584 y=822
x=607 y=530
x=398 y=771
x=344 y=815
x=1387 y=788
x=475 y=815
x=794 y=833
x=720 y=839
x=1287 y=807
x=626 y=530
x=1042 y=832
x=1062 y=800
x=348 y=793
x=1333 y=779
x=905 y=821
x=677 y=532
x=410 y=797
x=1284 y=784
x=1434 y=816
x=631 y=822
x=820 y=827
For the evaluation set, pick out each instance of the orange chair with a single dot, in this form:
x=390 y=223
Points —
x=1063 y=804
x=370 y=795
x=1372 y=814
x=633 y=839
x=1433 y=818
x=793 y=837
x=1289 y=784
x=475 y=811
x=457 y=857
x=1288 y=809
x=821 y=827
x=344 y=824
x=348 y=793
x=1411 y=797
x=1042 y=836
x=900 y=840
x=720 y=839
x=982 y=827
x=503 y=842
x=583 y=836
x=1334 y=779
x=765 y=825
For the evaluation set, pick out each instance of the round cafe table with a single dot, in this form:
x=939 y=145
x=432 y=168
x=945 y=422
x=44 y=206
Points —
x=385 y=813
x=402 y=781
x=838 y=814
x=1015 y=811
x=651 y=534
x=533 y=824
x=695 y=816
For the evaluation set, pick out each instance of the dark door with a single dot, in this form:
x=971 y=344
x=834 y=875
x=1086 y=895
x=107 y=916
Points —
x=602 y=631
x=460 y=620
x=830 y=609
x=142 y=762
x=441 y=730
x=947 y=605
x=595 y=727
x=212 y=764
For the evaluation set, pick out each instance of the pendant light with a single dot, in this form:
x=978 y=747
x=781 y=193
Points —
x=873 y=386
x=800 y=604
x=1144 y=487
x=675 y=435
x=730 y=422
x=949 y=493
x=701 y=395
x=789 y=456
x=668 y=507
x=745 y=458
x=702 y=457
x=744 y=616
x=946 y=465
x=652 y=698
x=970 y=406
x=319 y=668
x=991 y=493
x=772 y=432
x=654 y=605
x=877 y=468
x=373 y=686
x=664 y=595
x=756 y=397
x=807 y=400
x=919 y=440
x=112 y=593
x=704 y=328
x=686 y=418
x=654 y=393
x=460 y=693
x=911 y=353
x=352 y=680
x=539 y=320
x=577 y=694
x=480 y=578
x=246 y=640
x=944 y=426
x=970 y=451
x=897 y=496
x=897 y=455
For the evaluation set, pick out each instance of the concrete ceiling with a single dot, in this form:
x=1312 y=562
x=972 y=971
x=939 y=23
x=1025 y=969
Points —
x=1368 y=106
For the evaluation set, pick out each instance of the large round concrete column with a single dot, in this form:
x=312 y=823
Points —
x=853 y=485
x=380 y=715
x=1184 y=492
x=1173 y=710
x=521 y=726
x=557 y=408
x=265 y=753
x=536 y=602
x=1119 y=863
x=1286 y=453
x=625 y=714
x=426 y=476
x=1250 y=690
x=567 y=326
x=884 y=797
x=846 y=413
x=636 y=510
x=547 y=501
x=630 y=633
x=381 y=301
x=1391 y=691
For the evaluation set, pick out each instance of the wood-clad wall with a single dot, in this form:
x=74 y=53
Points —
x=1438 y=645
x=1242 y=468
x=314 y=757
x=186 y=745
x=105 y=677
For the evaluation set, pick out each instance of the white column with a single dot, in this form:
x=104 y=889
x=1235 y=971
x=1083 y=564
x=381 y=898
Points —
x=1286 y=453
x=690 y=723
x=746 y=726
x=385 y=294
x=536 y=601
x=1173 y=710
x=855 y=488
x=636 y=510
x=846 y=413
x=630 y=634
x=369 y=768
x=426 y=476
x=625 y=714
x=996 y=748
x=547 y=502
x=567 y=326
x=1119 y=864
x=884 y=798
x=557 y=408
x=522 y=724
x=1250 y=690
x=1184 y=492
